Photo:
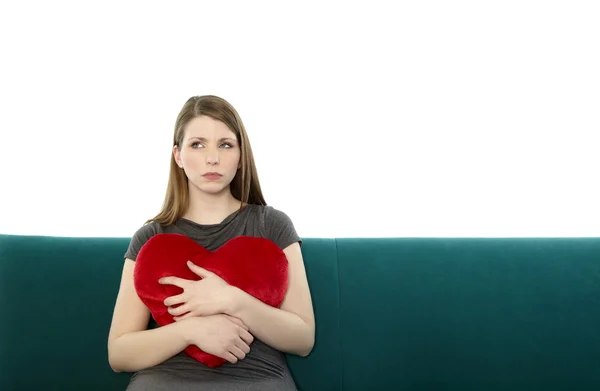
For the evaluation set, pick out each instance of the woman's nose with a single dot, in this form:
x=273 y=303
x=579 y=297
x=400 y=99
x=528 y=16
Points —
x=212 y=157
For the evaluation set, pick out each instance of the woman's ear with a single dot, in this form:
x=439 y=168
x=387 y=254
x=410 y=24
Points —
x=177 y=156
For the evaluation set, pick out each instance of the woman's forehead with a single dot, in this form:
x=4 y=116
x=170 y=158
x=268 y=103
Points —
x=208 y=128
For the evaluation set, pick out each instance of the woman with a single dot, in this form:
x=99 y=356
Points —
x=213 y=195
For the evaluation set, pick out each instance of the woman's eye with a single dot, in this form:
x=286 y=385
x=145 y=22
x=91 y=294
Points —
x=199 y=145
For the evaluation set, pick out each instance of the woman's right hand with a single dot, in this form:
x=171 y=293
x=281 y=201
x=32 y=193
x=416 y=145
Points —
x=220 y=335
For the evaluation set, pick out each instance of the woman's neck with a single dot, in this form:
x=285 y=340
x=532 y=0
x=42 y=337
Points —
x=210 y=208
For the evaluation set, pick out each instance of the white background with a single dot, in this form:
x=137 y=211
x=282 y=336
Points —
x=445 y=118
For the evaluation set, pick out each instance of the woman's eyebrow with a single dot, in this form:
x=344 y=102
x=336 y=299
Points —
x=204 y=139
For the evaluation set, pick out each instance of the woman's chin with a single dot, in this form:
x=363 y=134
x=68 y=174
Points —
x=212 y=188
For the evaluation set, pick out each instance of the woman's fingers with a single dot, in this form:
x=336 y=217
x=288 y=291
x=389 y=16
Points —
x=182 y=309
x=170 y=301
x=230 y=357
x=243 y=346
x=246 y=336
x=180 y=282
x=237 y=352
x=182 y=317
x=200 y=271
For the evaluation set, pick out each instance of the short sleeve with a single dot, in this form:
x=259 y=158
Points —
x=140 y=238
x=280 y=228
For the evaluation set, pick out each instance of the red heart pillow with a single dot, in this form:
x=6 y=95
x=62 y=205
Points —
x=255 y=265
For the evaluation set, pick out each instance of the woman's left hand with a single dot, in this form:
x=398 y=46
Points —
x=209 y=296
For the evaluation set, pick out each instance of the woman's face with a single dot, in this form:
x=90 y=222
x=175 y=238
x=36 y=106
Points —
x=209 y=154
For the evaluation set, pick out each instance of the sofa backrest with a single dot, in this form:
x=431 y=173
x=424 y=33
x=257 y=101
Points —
x=397 y=313
x=470 y=314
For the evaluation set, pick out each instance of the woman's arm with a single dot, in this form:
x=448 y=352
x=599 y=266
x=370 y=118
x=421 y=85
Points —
x=131 y=346
x=290 y=328
x=138 y=350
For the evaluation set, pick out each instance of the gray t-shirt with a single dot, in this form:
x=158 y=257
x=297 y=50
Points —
x=264 y=368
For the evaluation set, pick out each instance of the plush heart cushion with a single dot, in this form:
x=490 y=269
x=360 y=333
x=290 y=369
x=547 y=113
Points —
x=255 y=265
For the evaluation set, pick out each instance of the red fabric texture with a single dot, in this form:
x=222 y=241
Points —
x=255 y=265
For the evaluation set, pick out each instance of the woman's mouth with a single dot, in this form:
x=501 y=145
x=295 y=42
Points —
x=212 y=175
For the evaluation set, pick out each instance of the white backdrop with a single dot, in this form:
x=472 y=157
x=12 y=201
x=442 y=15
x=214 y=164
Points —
x=445 y=118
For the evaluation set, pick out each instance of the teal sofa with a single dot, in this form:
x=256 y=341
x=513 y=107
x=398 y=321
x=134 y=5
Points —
x=392 y=314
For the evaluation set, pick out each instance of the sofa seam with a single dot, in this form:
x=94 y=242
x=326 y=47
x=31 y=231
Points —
x=341 y=345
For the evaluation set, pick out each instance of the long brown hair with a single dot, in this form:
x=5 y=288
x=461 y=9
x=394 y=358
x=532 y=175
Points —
x=245 y=185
